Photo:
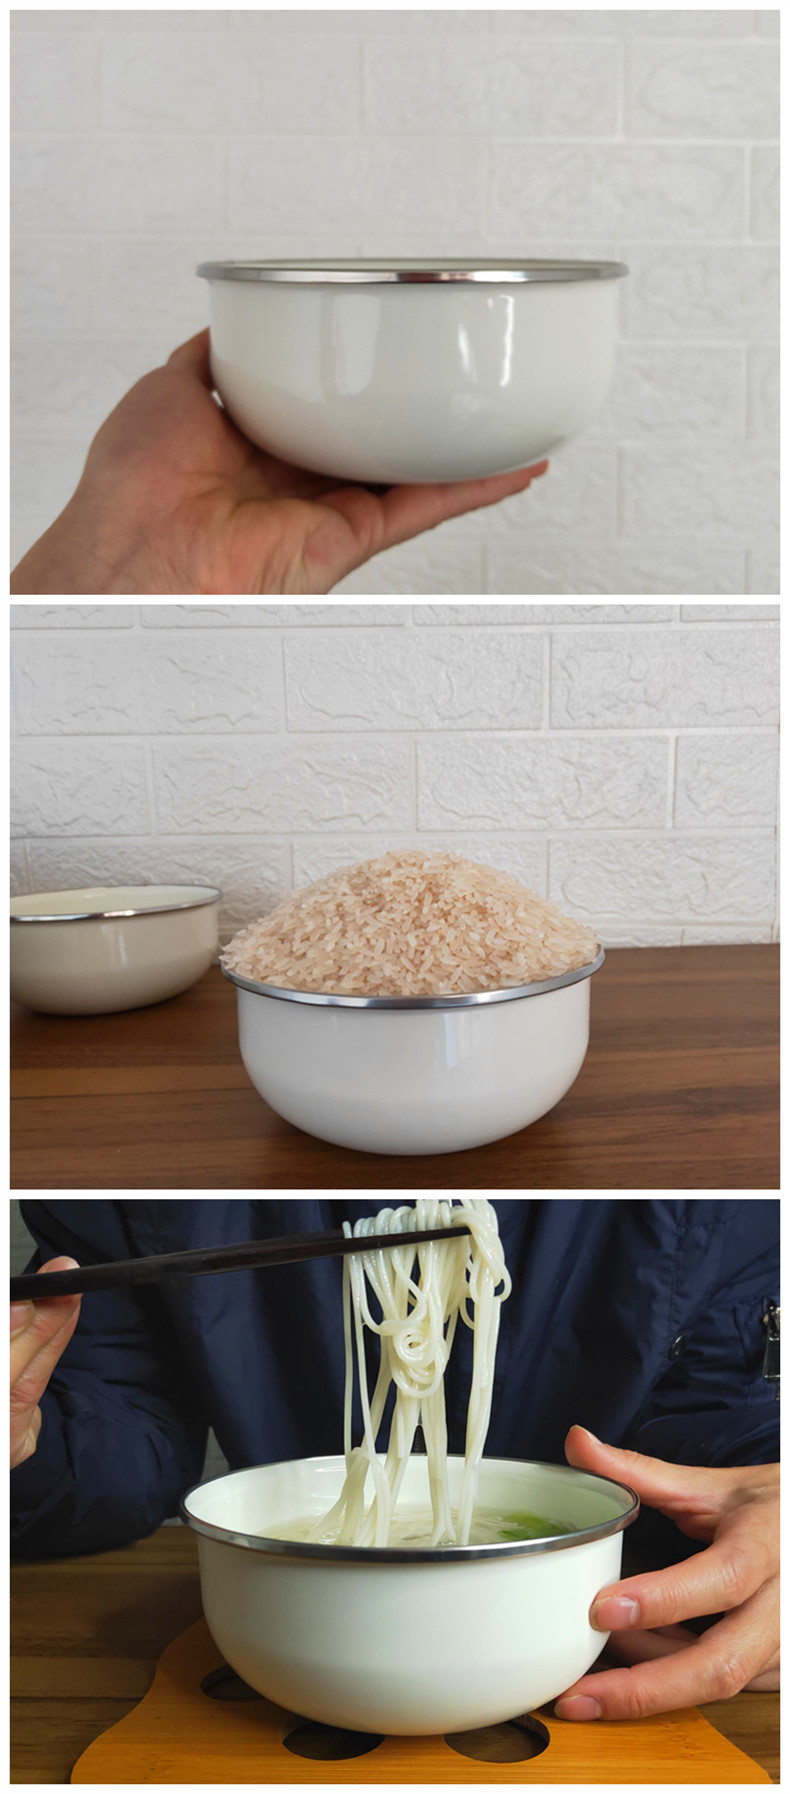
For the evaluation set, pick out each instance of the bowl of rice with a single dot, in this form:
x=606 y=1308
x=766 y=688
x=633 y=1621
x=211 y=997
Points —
x=415 y=1003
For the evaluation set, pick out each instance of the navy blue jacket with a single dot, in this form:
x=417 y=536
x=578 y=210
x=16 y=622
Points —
x=640 y=1319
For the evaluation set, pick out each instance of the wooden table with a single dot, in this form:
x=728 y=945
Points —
x=87 y=1633
x=679 y=1091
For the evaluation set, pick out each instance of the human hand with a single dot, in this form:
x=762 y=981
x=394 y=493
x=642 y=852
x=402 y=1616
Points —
x=39 y=1334
x=737 y=1511
x=174 y=498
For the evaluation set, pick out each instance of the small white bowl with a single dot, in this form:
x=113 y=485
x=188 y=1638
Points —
x=415 y=1074
x=412 y=371
x=405 y=1641
x=90 y=951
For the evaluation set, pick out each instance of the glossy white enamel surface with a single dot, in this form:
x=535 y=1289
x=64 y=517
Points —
x=414 y=1648
x=415 y=382
x=102 y=961
x=415 y=1080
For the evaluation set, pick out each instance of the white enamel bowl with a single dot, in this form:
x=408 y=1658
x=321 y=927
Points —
x=408 y=371
x=94 y=950
x=415 y=1074
x=416 y=1642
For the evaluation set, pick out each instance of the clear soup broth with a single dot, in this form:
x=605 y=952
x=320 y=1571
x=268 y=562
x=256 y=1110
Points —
x=413 y=1528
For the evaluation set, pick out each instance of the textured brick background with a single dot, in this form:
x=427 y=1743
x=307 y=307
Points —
x=621 y=759
x=145 y=141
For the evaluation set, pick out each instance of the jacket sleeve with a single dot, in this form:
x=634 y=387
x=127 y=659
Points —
x=713 y=1404
x=122 y=1436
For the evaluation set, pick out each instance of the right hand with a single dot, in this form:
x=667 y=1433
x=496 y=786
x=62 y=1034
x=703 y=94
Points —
x=40 y=1332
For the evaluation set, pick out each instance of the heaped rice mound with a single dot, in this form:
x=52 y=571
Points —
x=411 y=924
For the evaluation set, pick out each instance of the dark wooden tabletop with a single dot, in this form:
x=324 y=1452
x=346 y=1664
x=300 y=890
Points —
x=679 y=1091
x=87 y=1632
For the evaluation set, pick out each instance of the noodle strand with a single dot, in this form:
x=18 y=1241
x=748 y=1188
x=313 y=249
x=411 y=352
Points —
x=419 y=1317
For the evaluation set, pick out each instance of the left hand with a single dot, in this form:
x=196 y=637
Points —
x=737 y=1511
x=174 y=498
x=40 y=1333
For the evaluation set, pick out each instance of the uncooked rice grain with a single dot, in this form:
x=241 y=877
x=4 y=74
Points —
x=411 y=924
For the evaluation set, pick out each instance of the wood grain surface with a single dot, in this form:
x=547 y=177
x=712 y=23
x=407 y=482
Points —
x=679 y=1091
x=88 y=1632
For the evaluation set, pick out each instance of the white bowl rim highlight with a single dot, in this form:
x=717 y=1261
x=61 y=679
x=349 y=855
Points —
x=461 y=1000
x=226 y=1535
x=403 y=272
x=100 y=903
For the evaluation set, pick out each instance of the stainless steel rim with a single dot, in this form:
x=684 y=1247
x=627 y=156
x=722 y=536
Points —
x=468 y=1000
x=111 y=915
x=225 y=1535
x=410 y=273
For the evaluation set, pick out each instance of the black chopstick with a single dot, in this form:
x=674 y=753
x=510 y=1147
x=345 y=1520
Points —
x=252 y=1255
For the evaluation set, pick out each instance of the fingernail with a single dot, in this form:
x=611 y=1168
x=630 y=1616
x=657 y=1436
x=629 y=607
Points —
x=578 y=1706
x=21 y=1314
x=613 y=1613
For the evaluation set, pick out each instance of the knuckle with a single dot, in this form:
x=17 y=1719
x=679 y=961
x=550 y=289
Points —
x=661 y=1599
x=736 y=1574
x=730 y=1675
x=21 y=1400
x=633 y=1699
x=41 y=1323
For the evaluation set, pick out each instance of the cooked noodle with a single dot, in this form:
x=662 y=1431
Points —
x=419 y=1316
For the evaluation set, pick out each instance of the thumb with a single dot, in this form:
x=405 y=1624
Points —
x=673 y=1488
x=193 y=357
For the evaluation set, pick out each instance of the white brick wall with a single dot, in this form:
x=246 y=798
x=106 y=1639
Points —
x=145 y=141
x=620 y=758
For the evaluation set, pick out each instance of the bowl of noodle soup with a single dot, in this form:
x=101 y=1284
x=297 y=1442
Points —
x=396 y=1590
x=406 y=1639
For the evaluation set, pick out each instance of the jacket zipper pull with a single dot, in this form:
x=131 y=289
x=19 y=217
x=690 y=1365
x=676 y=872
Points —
x=771 y=1353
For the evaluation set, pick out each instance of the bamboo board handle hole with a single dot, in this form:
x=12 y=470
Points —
x=223 y=1684
x=515 y=1741
x=303 y=1737
x=328 y=1743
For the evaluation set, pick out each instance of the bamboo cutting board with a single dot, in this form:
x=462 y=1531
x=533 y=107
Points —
x=179 y=1733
